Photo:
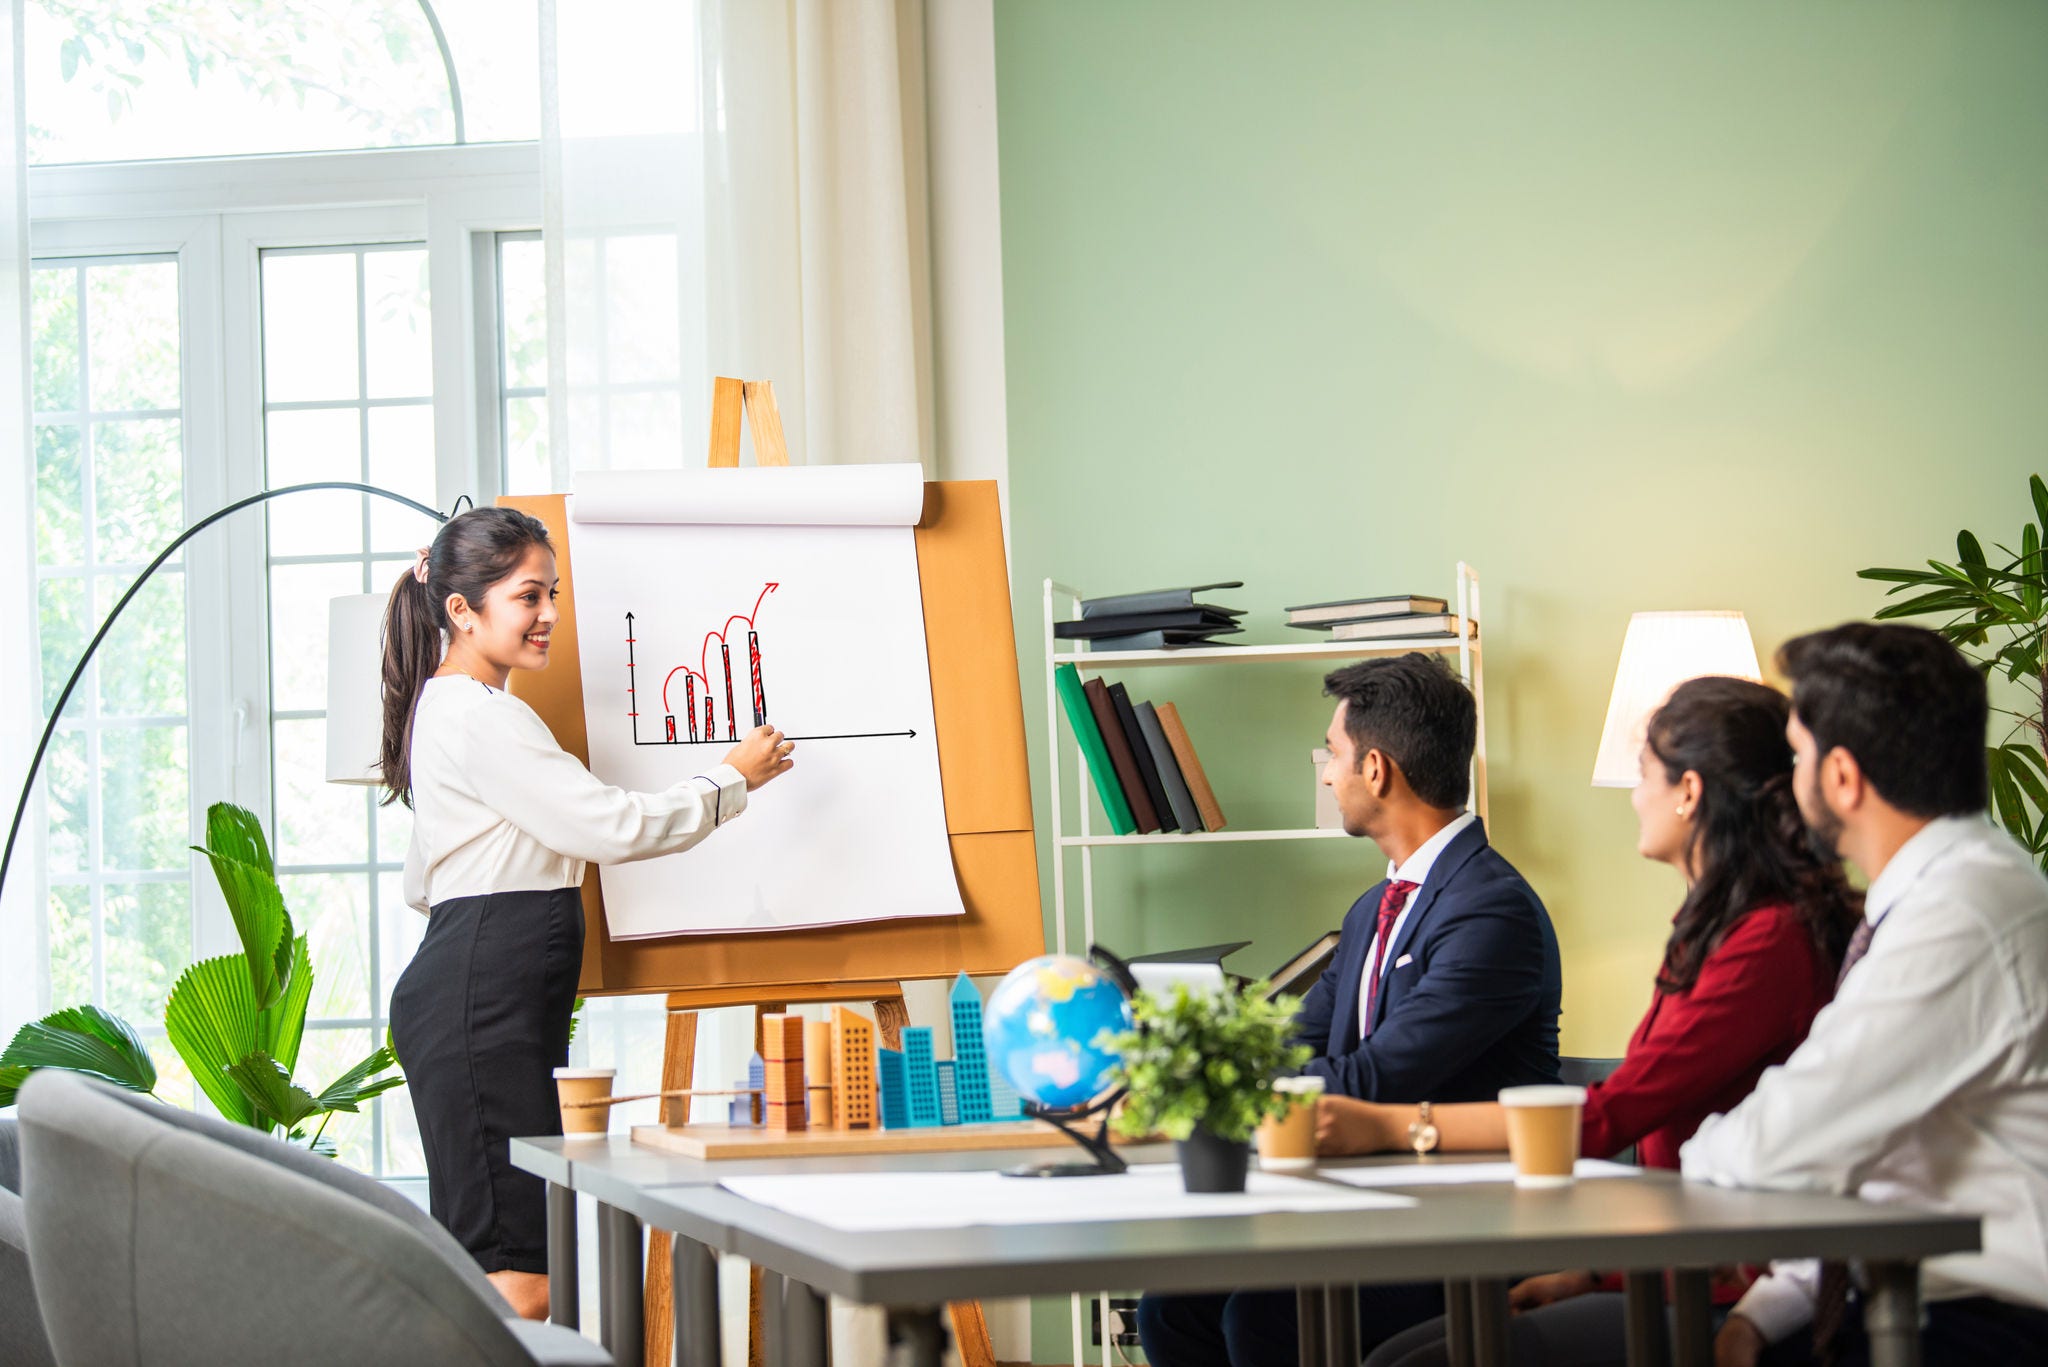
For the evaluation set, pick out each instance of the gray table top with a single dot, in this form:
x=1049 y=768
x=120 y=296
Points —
x=1491 y=1230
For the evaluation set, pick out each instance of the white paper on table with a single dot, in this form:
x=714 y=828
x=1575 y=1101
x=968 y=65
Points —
x=868 y=1201
x=1458 y=1174
x=715 y=566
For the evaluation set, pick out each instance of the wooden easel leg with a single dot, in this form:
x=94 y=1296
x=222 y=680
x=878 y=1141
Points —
x=891 y=1015
x=678 y=1068
x=755 y=1350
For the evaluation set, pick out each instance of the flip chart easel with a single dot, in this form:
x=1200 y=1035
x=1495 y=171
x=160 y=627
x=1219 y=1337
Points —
x=978 y=711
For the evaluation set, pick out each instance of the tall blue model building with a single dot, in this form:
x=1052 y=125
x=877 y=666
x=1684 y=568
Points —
x=920 y=1077
x=889 y=1083
x=970 y=1055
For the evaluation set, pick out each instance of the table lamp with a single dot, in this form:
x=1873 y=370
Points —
x=1661 y=651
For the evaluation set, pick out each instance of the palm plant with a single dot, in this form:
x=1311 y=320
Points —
x=1995 y=615
x=236 y=1020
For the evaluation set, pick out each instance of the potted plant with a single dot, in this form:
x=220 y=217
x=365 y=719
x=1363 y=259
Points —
x=236 y=1020
x=1996 y=613
x=1199 y=1068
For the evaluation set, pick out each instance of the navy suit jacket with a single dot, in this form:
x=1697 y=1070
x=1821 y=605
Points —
x=1469 y=1000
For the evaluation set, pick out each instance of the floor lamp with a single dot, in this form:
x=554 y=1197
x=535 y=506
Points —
x=35 y=764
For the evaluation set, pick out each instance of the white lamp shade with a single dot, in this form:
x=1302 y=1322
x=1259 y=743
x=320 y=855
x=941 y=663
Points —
x=355 y=688
x=1661 y=651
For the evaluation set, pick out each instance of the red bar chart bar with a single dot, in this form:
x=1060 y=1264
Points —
x=732 y=717
x=690 y=702
x=754 y=662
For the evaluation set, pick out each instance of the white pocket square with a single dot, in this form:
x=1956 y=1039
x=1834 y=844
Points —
x=1404 y=961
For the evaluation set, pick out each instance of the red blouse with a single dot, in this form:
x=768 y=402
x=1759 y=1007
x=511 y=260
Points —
x=1699 y=1052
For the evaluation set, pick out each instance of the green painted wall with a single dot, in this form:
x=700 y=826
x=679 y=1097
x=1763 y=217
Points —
x=1633 y=307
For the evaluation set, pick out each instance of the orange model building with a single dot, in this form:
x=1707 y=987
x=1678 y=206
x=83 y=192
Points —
x=782 y=1053
x=853 y=1069
x=818 y=1072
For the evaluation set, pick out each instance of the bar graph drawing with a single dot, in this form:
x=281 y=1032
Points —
x=713 y=680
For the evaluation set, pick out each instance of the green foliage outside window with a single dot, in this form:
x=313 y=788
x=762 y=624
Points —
x=1208 y=1060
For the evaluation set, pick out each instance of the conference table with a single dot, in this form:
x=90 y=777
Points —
x=1475 y=1238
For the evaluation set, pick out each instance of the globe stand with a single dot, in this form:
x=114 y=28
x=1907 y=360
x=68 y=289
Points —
x=1108 y=1162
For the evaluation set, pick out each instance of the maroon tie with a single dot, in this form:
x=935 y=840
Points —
x=1391 y=902
x=1831 y=1296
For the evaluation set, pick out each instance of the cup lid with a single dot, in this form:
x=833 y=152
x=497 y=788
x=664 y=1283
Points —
x=1549 y=1094
x=1301 y=1086
x=586 y=1072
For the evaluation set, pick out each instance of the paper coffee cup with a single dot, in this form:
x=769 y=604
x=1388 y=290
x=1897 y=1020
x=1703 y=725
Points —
x=1287 y=1142
x=1543 y=1133
x=584 y=1084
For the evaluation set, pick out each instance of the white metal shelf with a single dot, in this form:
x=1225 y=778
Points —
x=1198 y=837
x=1206 y=655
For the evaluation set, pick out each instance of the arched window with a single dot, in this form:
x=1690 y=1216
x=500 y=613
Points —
x=132 y=80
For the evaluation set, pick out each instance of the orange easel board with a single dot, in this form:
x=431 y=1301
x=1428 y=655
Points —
x=978 y=708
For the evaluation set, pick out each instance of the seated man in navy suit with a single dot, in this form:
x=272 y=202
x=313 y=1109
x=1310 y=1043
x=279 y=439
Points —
x=1444 y=986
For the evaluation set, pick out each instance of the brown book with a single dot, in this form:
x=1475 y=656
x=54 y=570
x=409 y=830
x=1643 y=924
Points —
x=1190 y=767
x=1120 y=757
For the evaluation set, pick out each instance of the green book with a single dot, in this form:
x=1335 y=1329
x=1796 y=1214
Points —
x=1068 y=681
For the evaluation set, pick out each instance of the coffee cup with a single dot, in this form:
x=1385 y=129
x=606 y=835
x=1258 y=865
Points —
x=1287 y=1142
x=584 y=1084
x=1543 y=1133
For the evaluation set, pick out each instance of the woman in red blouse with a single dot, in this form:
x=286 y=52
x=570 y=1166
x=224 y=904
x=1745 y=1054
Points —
x=1750 y=961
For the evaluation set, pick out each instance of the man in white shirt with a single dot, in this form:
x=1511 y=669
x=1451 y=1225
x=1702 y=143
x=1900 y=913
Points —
x=1926 y=1081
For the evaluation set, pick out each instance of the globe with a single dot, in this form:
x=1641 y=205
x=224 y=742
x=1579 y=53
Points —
x=1040 y=1029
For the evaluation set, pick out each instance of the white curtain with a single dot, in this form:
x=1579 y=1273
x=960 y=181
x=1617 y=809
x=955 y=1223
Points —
x=23 y=964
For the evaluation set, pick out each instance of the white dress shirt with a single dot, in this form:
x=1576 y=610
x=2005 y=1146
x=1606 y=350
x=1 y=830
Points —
x=1414 y=869
x=498 y=806
x=1925 y=1081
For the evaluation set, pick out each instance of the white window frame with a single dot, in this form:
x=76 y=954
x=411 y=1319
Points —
x=216 y=217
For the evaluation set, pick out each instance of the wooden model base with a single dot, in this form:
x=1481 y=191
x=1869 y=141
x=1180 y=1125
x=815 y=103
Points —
x=723 y=1141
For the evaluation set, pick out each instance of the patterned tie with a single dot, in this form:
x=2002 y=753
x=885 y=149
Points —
x=1391 y=902
x=1831 y=1297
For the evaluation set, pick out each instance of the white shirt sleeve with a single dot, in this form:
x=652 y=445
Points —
x=1919 y=1012
x=511 y=758
x=1781 y=1302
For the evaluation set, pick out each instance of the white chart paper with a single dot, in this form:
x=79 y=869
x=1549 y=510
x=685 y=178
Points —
x=870 y=1201
x=696 y=610
x=1426 y=1174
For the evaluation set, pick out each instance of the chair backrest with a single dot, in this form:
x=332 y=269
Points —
x=150 y=1239
x=22 y=1340
x=325 y=1170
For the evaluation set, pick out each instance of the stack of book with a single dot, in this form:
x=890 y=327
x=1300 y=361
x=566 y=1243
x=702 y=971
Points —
x=1158 y=619
x=1400 y=616
x=1143 y=764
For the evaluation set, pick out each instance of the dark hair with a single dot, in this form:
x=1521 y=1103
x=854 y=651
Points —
x=1413 y=710
x=472 y=551
x=1905 y=703
x=1748 y=842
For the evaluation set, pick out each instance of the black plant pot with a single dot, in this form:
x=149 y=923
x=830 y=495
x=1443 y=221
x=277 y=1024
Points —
x=1211 y=1163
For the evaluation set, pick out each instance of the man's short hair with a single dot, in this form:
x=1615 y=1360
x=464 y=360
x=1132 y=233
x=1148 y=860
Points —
x=1413 y=710
x=1905 y=703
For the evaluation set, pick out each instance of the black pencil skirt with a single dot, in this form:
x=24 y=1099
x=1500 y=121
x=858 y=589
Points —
x=480 y=1019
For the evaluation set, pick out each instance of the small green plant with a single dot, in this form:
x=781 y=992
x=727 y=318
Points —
x=1996 y=614
x=236 y=1020
x=1204 y=1060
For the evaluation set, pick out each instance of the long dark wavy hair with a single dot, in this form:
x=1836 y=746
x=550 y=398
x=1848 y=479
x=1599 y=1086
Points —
x=1748 y=841
x=472 y=551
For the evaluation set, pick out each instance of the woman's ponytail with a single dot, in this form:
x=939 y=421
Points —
x=412 y=652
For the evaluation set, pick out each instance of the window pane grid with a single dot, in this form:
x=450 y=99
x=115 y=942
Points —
x=329 y=414
x=108 y=327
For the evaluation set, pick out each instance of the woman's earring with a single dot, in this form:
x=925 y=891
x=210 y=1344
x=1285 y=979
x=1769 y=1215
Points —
x=1683 y=812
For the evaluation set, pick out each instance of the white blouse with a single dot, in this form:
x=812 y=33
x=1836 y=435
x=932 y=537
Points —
x=498 y=806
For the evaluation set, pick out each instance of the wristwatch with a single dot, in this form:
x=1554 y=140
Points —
x=1423 y=1134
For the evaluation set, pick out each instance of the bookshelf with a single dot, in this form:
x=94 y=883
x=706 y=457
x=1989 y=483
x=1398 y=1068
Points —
x=1062 y=603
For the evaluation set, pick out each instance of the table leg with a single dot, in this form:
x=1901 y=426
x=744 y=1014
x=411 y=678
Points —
x=807 y=1326
x=697 y=1338
x=1891 y=1314
x=923 y=1328
x=1489 y=1322
x=774 y=1344
x=1308 y=1324
x=1692 y=1307
x=563 y=1291
x=1643 y=1306
x=1458 y=1323
x=621 y=1277
x=1340 y=1325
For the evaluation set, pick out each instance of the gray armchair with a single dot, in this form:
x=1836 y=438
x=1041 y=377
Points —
x=154 y=1233
x=22 y=1340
